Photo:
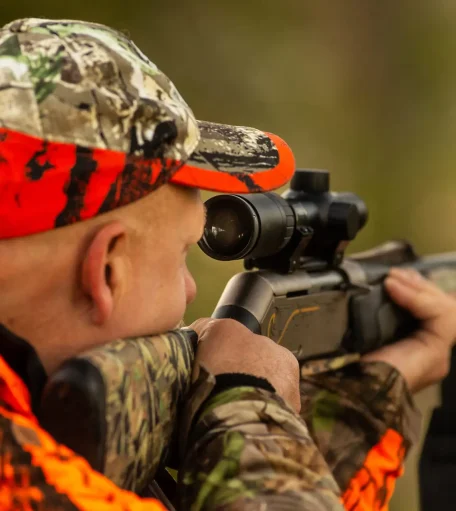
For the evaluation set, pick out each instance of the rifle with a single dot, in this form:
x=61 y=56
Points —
x=305 y=295
x=118 y=405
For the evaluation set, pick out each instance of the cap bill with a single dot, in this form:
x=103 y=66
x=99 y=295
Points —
x=236 y=159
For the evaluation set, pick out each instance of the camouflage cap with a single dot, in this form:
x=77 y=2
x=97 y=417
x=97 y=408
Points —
x=88 y=123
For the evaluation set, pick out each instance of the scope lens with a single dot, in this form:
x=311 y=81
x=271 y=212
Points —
x=226 y=234
x=231 y=228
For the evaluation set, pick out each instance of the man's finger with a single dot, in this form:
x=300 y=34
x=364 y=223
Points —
x=416 y=298
x=414 y=279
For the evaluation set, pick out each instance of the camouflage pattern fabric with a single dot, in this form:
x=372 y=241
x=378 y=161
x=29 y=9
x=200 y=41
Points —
x=349 y=410
x=86 y=84
x=146 y=381
x=324 y=365
x=39 y=474
x=249 y=451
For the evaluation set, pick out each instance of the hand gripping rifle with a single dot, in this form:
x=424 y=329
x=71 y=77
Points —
x=119 y=404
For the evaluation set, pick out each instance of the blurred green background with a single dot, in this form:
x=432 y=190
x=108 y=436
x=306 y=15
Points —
x=362 y=88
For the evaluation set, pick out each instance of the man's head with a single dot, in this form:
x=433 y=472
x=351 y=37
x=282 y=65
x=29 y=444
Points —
x=120 y=274
x=99 y=160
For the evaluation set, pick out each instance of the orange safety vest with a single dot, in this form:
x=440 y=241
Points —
x=38 y=473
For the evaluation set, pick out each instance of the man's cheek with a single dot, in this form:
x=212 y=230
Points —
x=190 y=287
x=175 y=312
x=172 y=303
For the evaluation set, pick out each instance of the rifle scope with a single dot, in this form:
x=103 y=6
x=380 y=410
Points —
x=281 y=232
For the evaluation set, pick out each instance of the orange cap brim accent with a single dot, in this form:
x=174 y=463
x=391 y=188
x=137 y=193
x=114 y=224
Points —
x=247 y=181
x=44 y=185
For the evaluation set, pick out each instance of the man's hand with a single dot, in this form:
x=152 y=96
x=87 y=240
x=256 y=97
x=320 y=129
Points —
x=226 y=346
x=424 y=357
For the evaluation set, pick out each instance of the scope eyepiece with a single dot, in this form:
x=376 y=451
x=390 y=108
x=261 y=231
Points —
x=243 y=226
x=231 y=229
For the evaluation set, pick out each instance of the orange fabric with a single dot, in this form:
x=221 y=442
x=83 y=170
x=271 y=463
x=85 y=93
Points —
x=14 y=393
x=372 y=486
x=212 y=180
x=44 y=185
x=23 y=487
x=35 y=176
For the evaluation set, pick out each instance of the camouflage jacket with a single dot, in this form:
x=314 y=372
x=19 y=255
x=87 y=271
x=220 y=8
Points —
x=245 y=449
x=249 y=451
x=363 y=420
x=241 y=449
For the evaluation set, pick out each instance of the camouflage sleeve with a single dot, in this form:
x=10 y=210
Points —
x=249 y=451
x=363 y=420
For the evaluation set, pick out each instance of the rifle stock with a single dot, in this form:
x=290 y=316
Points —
x=118 y=405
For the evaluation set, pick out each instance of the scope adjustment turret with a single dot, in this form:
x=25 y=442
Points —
x=311 y=181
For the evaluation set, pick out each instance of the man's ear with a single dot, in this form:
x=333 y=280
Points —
x=103 y=270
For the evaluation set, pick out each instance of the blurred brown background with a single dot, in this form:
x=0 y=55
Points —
x=362 y=88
